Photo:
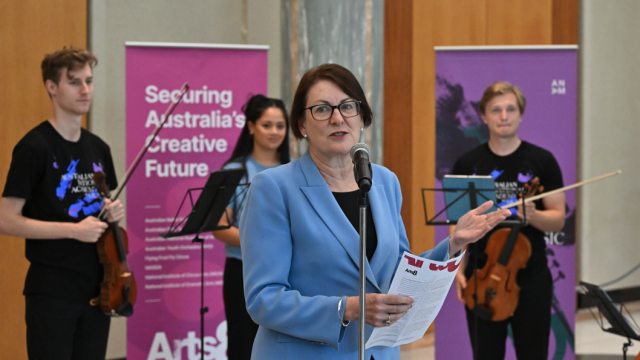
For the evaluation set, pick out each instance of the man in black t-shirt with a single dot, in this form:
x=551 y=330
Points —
x=51 y=200
x=513 y=163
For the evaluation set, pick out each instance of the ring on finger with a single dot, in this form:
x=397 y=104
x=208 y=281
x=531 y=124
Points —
x=388 y=322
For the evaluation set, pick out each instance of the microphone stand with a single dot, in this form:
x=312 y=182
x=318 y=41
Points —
x=362 y=203
x=363 y=176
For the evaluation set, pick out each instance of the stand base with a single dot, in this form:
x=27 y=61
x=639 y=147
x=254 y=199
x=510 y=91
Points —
x=625 y=347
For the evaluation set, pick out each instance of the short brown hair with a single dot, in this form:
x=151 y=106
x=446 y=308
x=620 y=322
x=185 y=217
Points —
x=500 y=88
x=70 y=59
x=338 y=75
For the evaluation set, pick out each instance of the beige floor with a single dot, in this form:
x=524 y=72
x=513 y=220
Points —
x=419 y=350
x=590 y=339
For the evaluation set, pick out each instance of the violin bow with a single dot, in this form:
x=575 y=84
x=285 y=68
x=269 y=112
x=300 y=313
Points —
x=540 y=196
x=143 y=151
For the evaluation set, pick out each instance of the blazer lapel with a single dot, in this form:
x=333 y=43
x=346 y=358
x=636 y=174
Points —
x=318 y=192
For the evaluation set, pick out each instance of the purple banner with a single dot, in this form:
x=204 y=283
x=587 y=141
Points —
x=196 y=140
x=548 y=80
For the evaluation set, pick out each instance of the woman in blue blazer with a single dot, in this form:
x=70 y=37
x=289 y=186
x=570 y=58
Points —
x=299 y=240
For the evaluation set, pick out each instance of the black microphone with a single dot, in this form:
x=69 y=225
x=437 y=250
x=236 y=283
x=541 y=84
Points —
x=362 y=166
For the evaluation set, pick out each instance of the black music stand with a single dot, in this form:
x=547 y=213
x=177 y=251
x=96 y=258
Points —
x=204 y=217
x=620 y=323
x=469 y=195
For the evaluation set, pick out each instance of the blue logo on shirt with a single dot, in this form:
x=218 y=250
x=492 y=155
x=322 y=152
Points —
x=65 y=183
x=496 y=174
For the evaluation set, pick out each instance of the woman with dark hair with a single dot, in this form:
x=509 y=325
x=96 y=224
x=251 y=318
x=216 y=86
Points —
x=299 y=233
x=263 y=144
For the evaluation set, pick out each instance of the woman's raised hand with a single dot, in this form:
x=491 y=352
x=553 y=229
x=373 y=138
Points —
x=474 y=225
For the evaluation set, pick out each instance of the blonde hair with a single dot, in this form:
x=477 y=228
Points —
x=501 y=88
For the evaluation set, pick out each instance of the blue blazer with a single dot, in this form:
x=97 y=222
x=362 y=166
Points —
x=300 y=256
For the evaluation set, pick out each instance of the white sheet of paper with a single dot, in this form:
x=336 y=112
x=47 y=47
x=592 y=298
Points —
x=428 y=283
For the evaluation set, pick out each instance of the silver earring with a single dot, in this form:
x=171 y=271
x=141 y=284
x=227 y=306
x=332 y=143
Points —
x=305 y=136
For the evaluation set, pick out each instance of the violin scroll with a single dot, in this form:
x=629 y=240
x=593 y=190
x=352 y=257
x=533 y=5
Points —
x=532 y=188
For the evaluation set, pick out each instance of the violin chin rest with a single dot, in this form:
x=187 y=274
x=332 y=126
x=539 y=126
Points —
x=483 y=312
x=126 y=309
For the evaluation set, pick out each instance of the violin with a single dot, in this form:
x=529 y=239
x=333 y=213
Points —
x=118 y=289
x=492 y=292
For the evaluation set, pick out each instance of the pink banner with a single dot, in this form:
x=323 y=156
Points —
x=196 y=140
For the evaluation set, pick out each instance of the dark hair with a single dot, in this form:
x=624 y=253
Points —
x=338 y=75
x=501 y=88
x=253 y=110
x=70 y=59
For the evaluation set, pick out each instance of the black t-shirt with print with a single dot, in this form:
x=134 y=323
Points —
x=55 y=177
x=510 y=173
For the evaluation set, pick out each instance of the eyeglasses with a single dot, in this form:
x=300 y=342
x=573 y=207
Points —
x=324 y=112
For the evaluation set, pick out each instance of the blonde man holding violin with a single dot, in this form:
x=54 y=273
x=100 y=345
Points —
x=512 y=163
x=50 y=199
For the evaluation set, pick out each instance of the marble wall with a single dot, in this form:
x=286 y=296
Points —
x=349 y=33
x=608 y=137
